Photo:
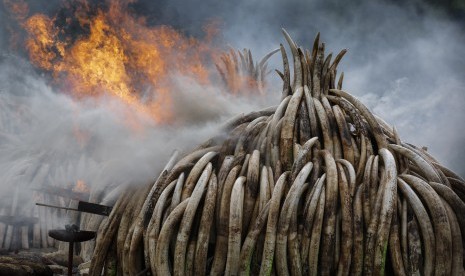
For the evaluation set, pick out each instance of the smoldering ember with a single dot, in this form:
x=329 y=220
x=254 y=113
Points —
x=316 y=184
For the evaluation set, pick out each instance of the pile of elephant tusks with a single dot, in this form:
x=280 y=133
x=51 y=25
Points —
x=316 y=185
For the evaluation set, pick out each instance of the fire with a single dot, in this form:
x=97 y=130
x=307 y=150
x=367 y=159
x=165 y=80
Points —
x=115 y=54
x=43 y=45
x=81 y=187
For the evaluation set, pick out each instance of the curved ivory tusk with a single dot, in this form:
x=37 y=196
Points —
x=297 y=63
x=426 y=168
x=155 y=222
x=301 y=158
x=289 y=206
x=425 y=225
x=324 y=125
x=358 y=253
x=271 y=227
x=316 y=44
x=235 y=227
x=337 y=151
x=337 y=60
x=440 y=220
x=251 y=240
x=447 y=172
x=346 y=225
x=316 y=80
x=105 y=235
x=251 y=189
x=170 y=164
x=314 y=128
x=206 y=222
x=389 y=184
x=162 y=258
x=315 y=239
x=375 y=127
x=219 y=259
x=264 y=192
x=310 y=218
x=286 y=74
x=195 y=174
x=329 y=223
x=394 y=245
x=453 y=200
x=341 y=79
x=187 y=221
x=352 y=175
x=287 y=130
x=457 y=249
x=344 y=135
x=267 y=56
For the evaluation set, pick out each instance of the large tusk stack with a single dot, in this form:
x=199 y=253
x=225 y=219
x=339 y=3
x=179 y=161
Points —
x=318 y=185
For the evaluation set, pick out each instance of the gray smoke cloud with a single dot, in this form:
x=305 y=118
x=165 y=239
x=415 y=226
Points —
x=49 y=138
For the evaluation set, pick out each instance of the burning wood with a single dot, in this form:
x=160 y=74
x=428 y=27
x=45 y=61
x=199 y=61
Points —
x=319 y=186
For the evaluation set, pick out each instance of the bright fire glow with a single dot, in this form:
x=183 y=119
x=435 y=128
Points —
x=81 y=187
x=114 y=54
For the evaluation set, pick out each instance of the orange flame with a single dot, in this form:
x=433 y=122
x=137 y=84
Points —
x=119 y=55
x=81 y=187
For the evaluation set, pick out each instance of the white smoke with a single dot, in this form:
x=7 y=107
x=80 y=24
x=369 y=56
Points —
x=50 y=138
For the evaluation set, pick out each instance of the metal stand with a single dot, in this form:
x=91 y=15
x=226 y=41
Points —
x=70 y=258
x=71 y=235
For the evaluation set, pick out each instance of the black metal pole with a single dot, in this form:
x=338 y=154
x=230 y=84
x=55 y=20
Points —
x=70 y=258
